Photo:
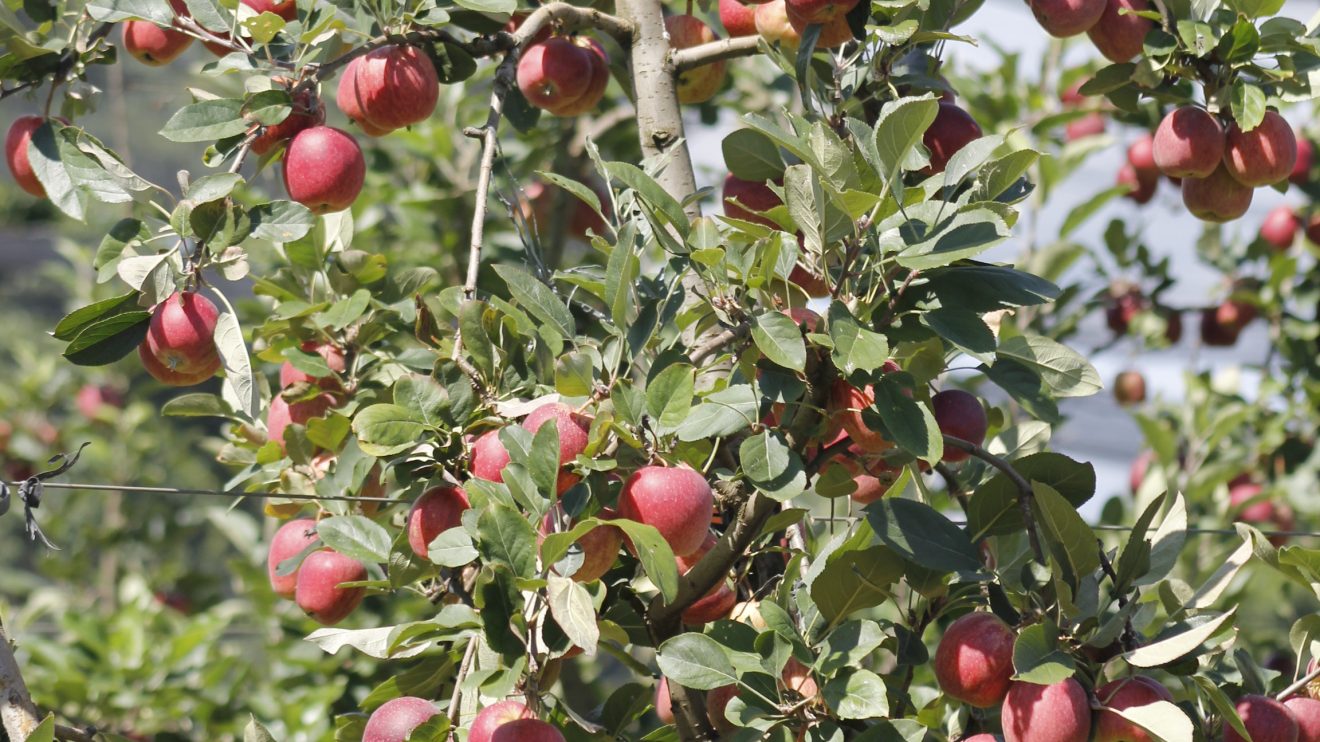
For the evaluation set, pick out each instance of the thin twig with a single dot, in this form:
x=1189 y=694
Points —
x=714 y=51
x=468 y=656
x=954 y=486
x=1025 y=493
x=715 y=343
x=1300 y=684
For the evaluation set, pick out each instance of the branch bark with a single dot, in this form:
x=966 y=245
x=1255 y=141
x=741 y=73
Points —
x=695 y=56
x=18 y=714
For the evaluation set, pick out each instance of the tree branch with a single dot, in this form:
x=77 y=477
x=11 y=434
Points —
x=681 y=60
x=1025 y=493
x=18 y=714
x=714 y=343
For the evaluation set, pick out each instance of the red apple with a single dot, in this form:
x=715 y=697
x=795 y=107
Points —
x=16 y=154
x=554 y=73
x=1123 y=694
x=1263 y=156
x=1189 y=143
x=393 y=86
x=797 y=678
x=179 y=348
x=1302 y=169
x=1092 y=124
x=846 y=405
x=960 y=415
x=1264 y=719
x=489 y=457
x=819 y=11
x=869 y=488
x=600 y=546
x=324 y=169
x=1140 y=184
x=283 y=413
x=717 y=701
x=664 y=708
x=1137 y=472
x=676 y=500
x=1141 y=155
x=307 y=112
x=700 y=84
x=155 y=45
x=1046 y=713
x=436 y=511
x=346 y=97
x=527 y=730
x=1221 y=325
x=1245 y=497
x=1217 y=198
x=952 y=129
x=744 y=199
x=395 y=719
x=595 y=90
x=334 y=358
x=1130 y=387
x=572 y=427
x=1123 y=303
x=93 y=400
x=773 y=25
x=288 y=541
x=317 y=590
x=1120 y=36
x=833 y=33
x=286 y=9
x=738 y=18
x=1063 y=18
x=974 y=659
x=1280 y=227
x=713 y=606
x=1307 y=713
x=494 y=716
x=1172 y=324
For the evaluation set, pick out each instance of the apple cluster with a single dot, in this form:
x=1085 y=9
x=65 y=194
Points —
x=1118 y=28
x=564 y=75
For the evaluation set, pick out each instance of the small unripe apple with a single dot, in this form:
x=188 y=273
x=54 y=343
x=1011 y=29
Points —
x=1264 y=719
x=395 y=719
x=317 y=590
x=717 y=701
x=1217 y=198
x=1121 y=36
x=600 y=546
x=819 y=11
x=153 y=45
x=436 y=511
x=489 y=457
x=288 y=541
x=952 y=129
x=1301 y=173
x=960 y=415
x=179 y=348
x=334 y=358
x=1307 y=713
x=1064 y=18
x=773 y=25
x=324 y=169
x=1046 y=713
x=554 y=73
x=307 y=112
x=974 y=659
x=527 y=730
x=699 y=84
x=1263 y=156
x=1189 y=143
x=16 y=154
x=1123 y=694
x=1140 y=184
x=572 y=428
x=983 y=737
x=1280 y=227
x=739 y=19
x=393 y=86
x=494 y=716
x=676 y=500
x=1130 y=387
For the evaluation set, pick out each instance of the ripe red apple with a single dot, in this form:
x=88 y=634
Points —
x=1280 y=227
x=554 y=73
x=538 y=201
x=974 y=659
x=288 y=541
x=1264 y=719
x=1123 y=694
x=738 y=18
x=393 y=86
x=600 y=546
x=283 y=413
x=1263 y=156
x=436 y=511
x=1119 y=36
x=981 y=738
x=92 y=400
x=324 y=169
x=1217 y=198
x=1124 y=303
x=797 y=678
x=1141 y=154
x=317 y=590
x=744 y=199
x=718 y=602
x=1092 y=124
x=845 y=408
x=286 y=9
x=676 y=500
x=1302 y=169
x=700 y=84
x=1221 y=325
x=1046 y=713
x=960 y=415
x=833 y=33
x=307 y=112
x=572 y=428
x=773 y=25
x=334 y=358
x=1307 y=713
x=664 y=708
x=179 y=348
x=494 y=716
x=395 y=719
x=1137 y=472
x=1189 y=143
x=819 y=11
x=16 y=154
x=347 y=100
x=869 y=488
x=600 y=80
x=489 y=457
x=717 y=701
x=1141 y=184
x=1130 y=387
x=1063 y=18
x=527 y=730
x=952 y=129
x=1245 y=496
x=153 y=45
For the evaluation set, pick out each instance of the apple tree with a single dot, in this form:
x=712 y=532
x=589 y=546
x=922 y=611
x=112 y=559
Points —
x=552 y=449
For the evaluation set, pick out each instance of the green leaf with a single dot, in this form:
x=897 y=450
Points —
x=669 y=396
x=46 y=157
x=650 y=192
x=239 y=375
x=720 y=414
x=772 y=466
x=106 y=341
x=1037 y=657
x=1164 y=720
x=850 y=643
x=355 y=536
x=780 y=340
x=857 y=694
x=994 y=510
x=537 y=298
x=206 y=121
x=901 y=125
x=1064 y=371
x=574 y=611
x=505 y=537
x=80 y=319
x=452 y=548
x=654 y=553
x=1248 y=104
x=43 y=732
x=621 y=271
x=921 y=535
x=387 y=429
x=910 y=424
x=1083 y=211
x=966 y=235
x=751 y=155
x=854 y=580
x=696 y=661
x=1178 y=641
x=856 y=348
x=256 y=732
x=199 y=404
x=346 y=311
x=158 y=11
x=1071 y=541
x=281 y=221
